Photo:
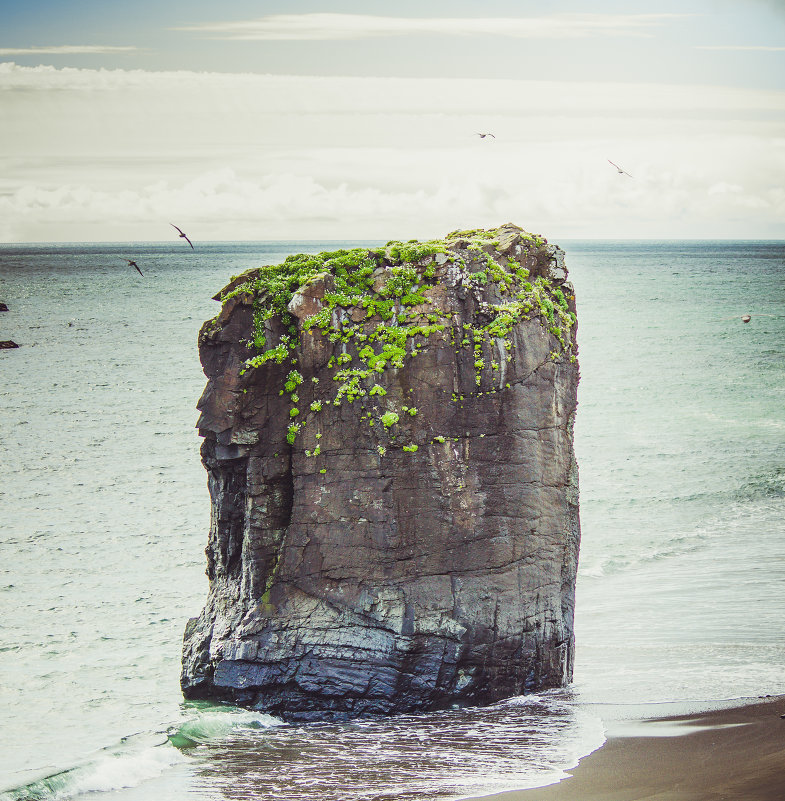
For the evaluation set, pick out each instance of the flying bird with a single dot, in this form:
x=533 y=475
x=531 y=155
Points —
x=482 y=136
x=136 y=266
x=182 y=235
x=619 y=169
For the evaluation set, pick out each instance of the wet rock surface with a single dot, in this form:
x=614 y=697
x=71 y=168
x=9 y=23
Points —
x=408 y=538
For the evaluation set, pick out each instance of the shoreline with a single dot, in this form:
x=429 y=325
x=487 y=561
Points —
x=733 y=753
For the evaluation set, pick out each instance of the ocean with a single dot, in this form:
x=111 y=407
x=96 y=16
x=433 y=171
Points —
x=104 y=515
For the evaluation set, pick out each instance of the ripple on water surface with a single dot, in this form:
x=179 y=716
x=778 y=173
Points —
x=524 y=742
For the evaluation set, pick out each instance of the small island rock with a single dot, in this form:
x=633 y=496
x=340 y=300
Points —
x=389 y=449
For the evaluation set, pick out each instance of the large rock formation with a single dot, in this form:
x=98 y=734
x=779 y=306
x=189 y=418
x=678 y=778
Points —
x=388 y=440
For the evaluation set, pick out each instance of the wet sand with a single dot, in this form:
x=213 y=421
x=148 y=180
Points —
x=730 y=754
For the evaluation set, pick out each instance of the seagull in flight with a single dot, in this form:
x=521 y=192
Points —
x=182 y=235
x=136 y=266
x=483 y=135
x=619 y=169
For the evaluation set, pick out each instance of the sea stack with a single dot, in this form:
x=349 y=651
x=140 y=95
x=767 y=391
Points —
x=388 y=438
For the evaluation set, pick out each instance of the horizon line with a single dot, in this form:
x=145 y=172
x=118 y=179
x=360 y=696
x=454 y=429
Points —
x=378 y=239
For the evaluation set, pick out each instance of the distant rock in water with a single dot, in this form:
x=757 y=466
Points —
x=8 y=344
x=3 y=307
x=389 y=449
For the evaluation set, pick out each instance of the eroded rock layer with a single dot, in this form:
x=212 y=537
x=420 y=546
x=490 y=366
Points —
x=388 y=442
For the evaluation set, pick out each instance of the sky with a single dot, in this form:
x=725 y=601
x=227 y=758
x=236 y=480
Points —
x=359 y=120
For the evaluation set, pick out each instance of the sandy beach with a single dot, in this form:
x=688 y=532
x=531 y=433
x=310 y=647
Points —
x=729 y=754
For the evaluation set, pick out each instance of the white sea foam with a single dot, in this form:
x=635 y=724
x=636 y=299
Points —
x=119 y=771
x=523 y=742
x=127 y=765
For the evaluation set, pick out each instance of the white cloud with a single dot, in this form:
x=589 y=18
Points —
x=98 y=154
x=220 y=204
x=63 y=50
x=311 y=27
x=308 y=95
x=560 y=198
x=724 y=188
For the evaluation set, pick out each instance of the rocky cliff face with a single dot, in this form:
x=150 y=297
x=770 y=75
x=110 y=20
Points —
x=388 y=441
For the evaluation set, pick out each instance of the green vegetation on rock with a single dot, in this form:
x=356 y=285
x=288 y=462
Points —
x=379 y=309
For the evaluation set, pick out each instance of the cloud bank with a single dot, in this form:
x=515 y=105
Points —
x=115 y=154
x=315 y=27
x=296 y=94
x=64 y=50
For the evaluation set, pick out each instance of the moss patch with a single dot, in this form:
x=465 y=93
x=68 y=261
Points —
x=377 y=310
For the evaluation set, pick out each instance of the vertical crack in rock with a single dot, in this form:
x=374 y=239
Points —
x=388 y=439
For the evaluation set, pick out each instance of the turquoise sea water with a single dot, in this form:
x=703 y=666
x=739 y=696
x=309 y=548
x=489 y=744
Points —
x=104 y=515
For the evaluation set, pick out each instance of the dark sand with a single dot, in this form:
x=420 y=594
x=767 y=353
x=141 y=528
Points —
x=732 y=754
